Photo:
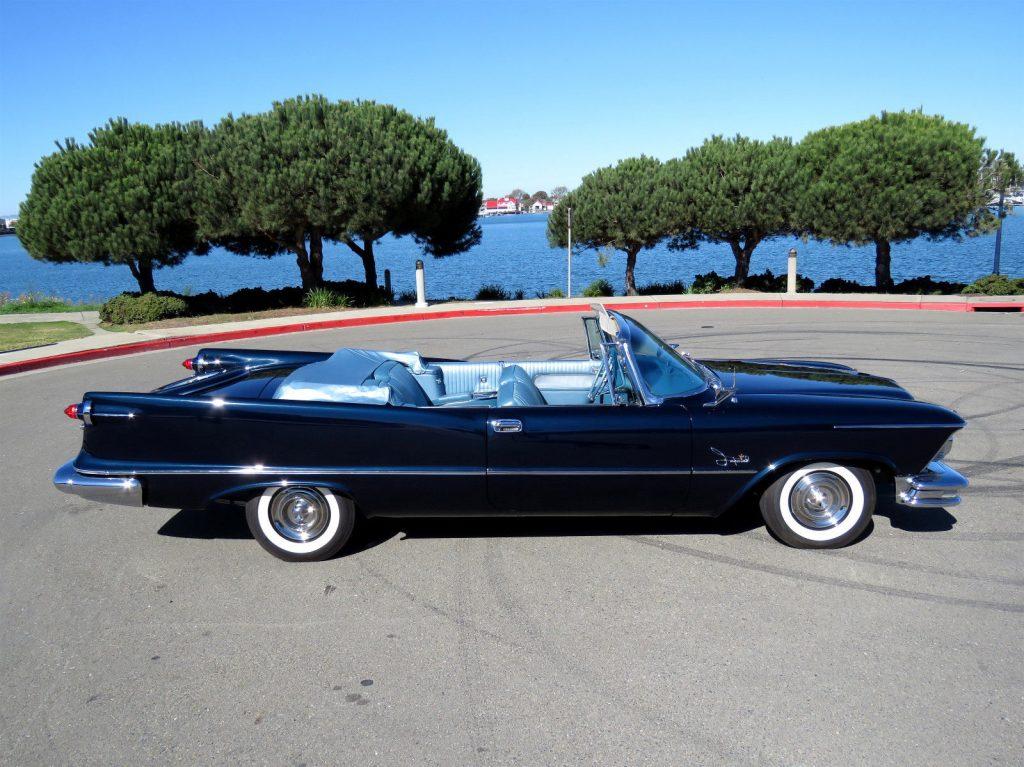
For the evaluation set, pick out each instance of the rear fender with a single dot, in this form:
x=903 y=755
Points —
x=244 y=492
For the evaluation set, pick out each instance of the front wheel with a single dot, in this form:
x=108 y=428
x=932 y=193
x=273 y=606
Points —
x=819 y=506
x=300 y=524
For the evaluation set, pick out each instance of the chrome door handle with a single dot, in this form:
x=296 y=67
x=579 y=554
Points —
x=506 y=425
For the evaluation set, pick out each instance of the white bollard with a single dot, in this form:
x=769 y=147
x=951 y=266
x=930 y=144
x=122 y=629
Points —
x=791 y=275
x=421 y=286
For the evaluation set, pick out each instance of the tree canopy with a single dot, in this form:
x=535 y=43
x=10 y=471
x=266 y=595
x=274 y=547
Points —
x=732 y=190
x=624 y=206
x=890 y=178
x=311 y=170
x=125 y=197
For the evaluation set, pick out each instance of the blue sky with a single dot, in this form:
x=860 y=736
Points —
x=541 y=92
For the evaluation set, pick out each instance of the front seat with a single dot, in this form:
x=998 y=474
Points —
x=405 y=390
x=517 y=389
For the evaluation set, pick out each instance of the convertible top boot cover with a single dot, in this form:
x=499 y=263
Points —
x=348 y=376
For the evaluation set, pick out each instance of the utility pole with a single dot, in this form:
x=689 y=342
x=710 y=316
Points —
x=568 y=256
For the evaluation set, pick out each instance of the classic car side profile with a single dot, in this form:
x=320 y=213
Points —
x=310 y=442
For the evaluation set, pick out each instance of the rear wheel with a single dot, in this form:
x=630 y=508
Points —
x=819 y=506
x=299 y=523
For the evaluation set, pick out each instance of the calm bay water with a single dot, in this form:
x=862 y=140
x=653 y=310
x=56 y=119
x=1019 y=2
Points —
x=514 y=254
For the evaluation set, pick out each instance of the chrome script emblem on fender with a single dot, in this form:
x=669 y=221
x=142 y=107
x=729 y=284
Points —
x=725 y=460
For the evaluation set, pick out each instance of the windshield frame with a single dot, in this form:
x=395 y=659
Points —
x=628 y=328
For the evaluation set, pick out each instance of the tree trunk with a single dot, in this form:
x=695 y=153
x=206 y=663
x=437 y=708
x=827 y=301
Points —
x=883 y=260
x=630 y=266
x=142 y=271
x=365 y=253
x=316 y=257
x=742 y=251
x=742 y=256
x=369 y=264
x=310 y=262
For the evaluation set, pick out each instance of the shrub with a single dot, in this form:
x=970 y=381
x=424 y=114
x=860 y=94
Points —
x=325 y=298
x=926 y=286
x=599 y=289
x=493 y=292
x=772 y=283
x=553 y=293
x=839 y=285
x=662 y=288
x=996 y=285
x=132 y=309
x=712 y=282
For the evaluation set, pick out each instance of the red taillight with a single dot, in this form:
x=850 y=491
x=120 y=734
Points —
x=187 y=364
x=71 y=411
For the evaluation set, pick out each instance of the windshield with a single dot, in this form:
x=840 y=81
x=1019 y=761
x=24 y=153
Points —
x=666 y=372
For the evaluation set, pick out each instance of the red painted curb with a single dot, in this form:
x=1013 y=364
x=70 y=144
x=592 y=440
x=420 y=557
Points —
x=299 y=327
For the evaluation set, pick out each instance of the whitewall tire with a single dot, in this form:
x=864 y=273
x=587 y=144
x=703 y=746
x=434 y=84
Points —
x=300 y=523
x=819 y=506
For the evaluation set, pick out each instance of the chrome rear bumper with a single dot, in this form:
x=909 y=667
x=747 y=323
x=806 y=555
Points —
x=935 y=487
x=123 y=491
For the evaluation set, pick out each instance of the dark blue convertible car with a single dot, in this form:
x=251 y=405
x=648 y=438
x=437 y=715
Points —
x=310 y=442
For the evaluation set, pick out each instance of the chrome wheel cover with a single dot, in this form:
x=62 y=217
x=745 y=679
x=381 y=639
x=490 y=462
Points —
x=820 y=500
x=299 y=514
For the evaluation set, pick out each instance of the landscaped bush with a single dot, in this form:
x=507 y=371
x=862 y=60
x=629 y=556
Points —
x=773 y=283
x=258 y=299
x=494 y=292
x=712 y=282
x=839 y=285
x=662 y=288
x=553 y=293
x=996 y=285
x=132 y=309
x=926 y=286
x=915 y=286
x=599 y=289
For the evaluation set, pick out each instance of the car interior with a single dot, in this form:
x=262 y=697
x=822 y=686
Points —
x=405 y=379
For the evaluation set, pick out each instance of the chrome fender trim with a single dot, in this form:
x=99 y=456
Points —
x=935 y=487
x=121 y=491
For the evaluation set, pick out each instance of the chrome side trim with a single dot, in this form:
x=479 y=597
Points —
x=896 y=426
x=119 y=490
x=936 y=487
x=87 y=413
x=258 y=470
x=724 y=471
x=586 y=472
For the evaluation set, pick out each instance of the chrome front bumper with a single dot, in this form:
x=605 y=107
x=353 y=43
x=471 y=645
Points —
x=123 y=491
x=935 y=487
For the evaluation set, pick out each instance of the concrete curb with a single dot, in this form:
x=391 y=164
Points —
x=191 y=336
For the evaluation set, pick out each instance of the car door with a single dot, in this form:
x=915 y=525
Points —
x=589 y=459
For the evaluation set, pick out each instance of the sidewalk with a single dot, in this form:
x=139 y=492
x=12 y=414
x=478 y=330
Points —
x=106 y=344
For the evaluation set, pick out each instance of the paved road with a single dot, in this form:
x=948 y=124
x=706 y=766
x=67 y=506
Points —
x=146 y=636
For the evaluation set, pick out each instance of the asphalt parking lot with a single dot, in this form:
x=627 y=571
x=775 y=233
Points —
x=145 y=636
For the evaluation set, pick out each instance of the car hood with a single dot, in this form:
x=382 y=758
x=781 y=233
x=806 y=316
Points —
x=804 y=377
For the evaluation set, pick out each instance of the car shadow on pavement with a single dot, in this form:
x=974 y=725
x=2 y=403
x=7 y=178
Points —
x=911 y=519
x=229 y=523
